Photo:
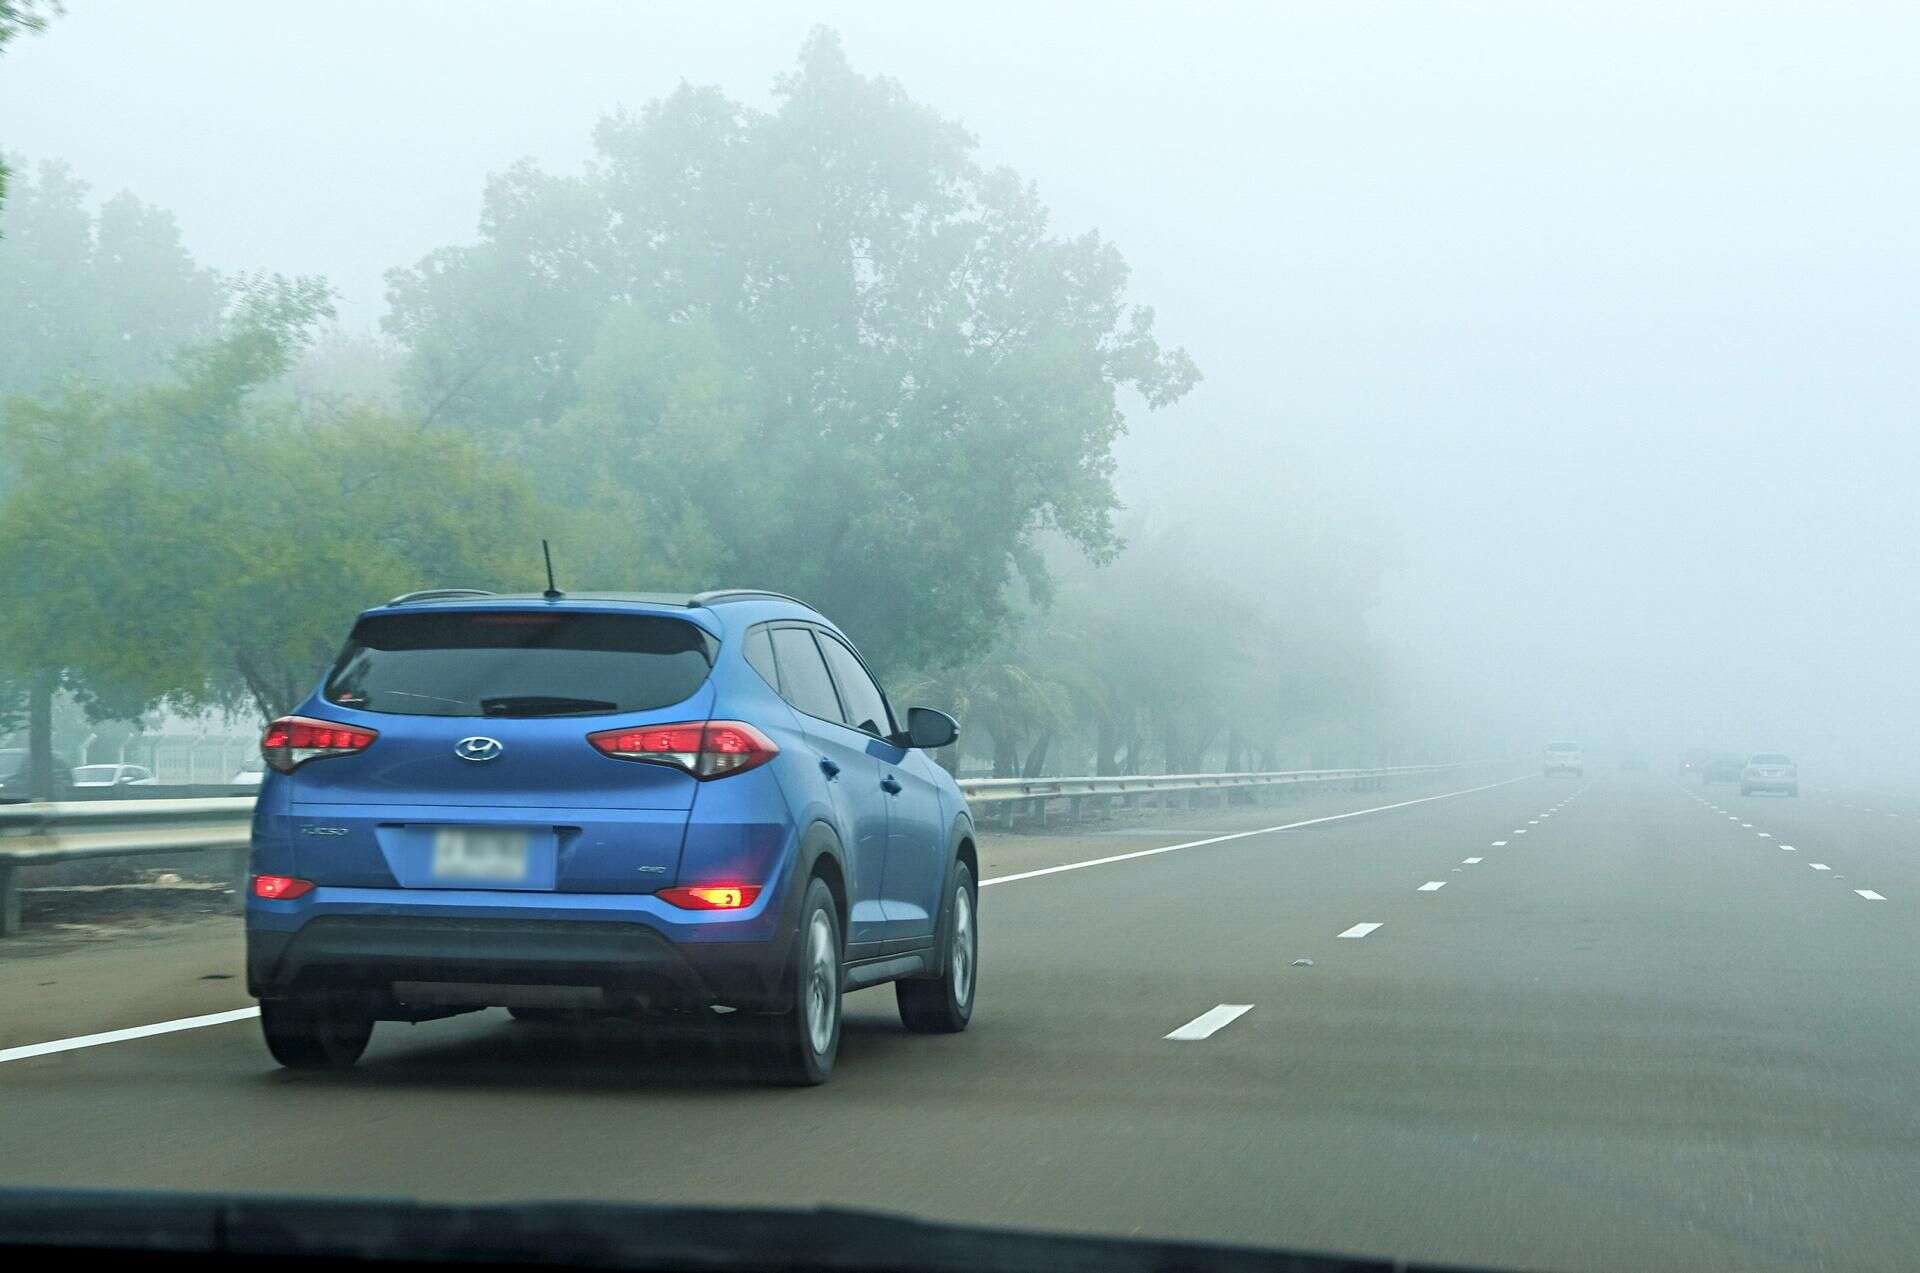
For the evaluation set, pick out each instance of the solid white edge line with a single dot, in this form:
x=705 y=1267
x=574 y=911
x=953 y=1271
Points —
x=1210 y=1022
x=240 y=1014
x=1240 y=835
x=121 y=1036
x=1359 y=930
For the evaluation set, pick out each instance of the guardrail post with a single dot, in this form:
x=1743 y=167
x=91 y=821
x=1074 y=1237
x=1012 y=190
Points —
x=9 y=899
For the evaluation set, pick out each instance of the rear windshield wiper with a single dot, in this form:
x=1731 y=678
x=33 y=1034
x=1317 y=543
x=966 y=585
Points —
x=541 y=705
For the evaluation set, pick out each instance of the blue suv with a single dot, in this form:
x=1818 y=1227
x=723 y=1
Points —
x=609 y=803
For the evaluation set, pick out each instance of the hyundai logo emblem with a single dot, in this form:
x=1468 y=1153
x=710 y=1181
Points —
x=477 y=748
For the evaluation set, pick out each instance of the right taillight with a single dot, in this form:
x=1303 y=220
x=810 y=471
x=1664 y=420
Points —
x=705 y=749
x=292 y=741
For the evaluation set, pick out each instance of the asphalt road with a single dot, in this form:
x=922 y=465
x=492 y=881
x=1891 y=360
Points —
x=1611 y=1024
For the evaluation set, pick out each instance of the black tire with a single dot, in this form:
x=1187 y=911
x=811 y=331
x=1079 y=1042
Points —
x=944 y=1005
x=317 y=1031
x=541 y=1016
x=806 y=1032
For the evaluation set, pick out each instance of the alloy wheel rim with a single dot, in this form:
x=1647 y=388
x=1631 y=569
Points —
x=962 y=960
x=822 y=1003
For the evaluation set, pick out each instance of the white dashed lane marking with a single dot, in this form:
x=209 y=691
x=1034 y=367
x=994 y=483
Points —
x=1211 y=1022
x=1870 y=895
x=1431 y=886
x=1471 y=861
x=1499 y=844
x=1786 y=848
x=1360 y=930
x=1819 y=866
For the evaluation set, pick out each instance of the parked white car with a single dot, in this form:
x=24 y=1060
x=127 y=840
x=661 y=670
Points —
x=112 y=776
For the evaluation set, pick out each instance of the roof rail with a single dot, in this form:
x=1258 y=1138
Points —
x=723 y=595
x=438 y=594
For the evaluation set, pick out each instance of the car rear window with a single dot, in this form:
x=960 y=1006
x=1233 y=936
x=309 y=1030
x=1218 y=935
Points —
x=519 y=663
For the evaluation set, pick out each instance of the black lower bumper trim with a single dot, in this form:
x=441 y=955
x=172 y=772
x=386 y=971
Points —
x=627 y=960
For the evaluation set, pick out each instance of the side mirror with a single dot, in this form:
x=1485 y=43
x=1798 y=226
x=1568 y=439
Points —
x=929 y=729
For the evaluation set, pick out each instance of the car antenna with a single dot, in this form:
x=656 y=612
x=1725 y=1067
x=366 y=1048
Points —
x=552 y=593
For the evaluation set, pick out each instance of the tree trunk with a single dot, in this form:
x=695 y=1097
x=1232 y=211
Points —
x=1004 y=756
x=1106 y=745
x=40 y=735
x=1037 y=756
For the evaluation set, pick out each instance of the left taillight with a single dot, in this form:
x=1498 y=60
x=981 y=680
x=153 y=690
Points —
x=292 y=741
x=705 y=749
x=280 y=888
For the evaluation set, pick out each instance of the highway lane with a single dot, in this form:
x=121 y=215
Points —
x=1623 y=1031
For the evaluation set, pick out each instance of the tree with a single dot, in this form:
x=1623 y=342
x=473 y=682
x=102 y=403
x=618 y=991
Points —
x=820 y=349
x=107 y=298
x=194 y=542
x=18 y=17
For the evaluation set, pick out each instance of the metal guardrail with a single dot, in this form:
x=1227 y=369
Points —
x=36 y=834
x=75 y=830
x=1000 y=790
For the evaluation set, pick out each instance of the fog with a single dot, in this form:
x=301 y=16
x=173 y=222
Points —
x=1583 y=341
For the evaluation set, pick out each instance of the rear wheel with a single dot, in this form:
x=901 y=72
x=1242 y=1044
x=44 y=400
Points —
x=946 y=1005
x=1745 y=790
x=317 y=1031
x=806 y=1035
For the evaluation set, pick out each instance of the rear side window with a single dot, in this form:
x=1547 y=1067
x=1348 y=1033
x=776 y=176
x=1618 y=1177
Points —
x=519 y=663
x=759 y=652
x=803 y=677
x=866 y=706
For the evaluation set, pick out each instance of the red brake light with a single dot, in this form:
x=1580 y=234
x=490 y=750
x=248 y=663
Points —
x=280 y=888
x=705 y=749
x=291 y=741
x=711 y=897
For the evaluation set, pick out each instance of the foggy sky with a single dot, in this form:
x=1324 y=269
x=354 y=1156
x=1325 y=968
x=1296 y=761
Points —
x=1606 y=321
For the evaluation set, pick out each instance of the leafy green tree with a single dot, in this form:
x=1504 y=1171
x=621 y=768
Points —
x=819 y=348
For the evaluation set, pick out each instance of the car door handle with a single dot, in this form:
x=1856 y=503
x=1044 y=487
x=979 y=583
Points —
x=828 y=768
x=890 y=785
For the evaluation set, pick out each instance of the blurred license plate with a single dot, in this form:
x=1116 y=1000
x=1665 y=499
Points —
x=465 y=853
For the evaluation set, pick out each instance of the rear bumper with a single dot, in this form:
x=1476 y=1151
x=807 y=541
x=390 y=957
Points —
x=1770 y=784
x=636 y=949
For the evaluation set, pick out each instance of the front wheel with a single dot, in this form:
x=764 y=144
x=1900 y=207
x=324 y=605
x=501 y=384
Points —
x=946 y=1005
x=317 y=1031
x=806 y=1034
